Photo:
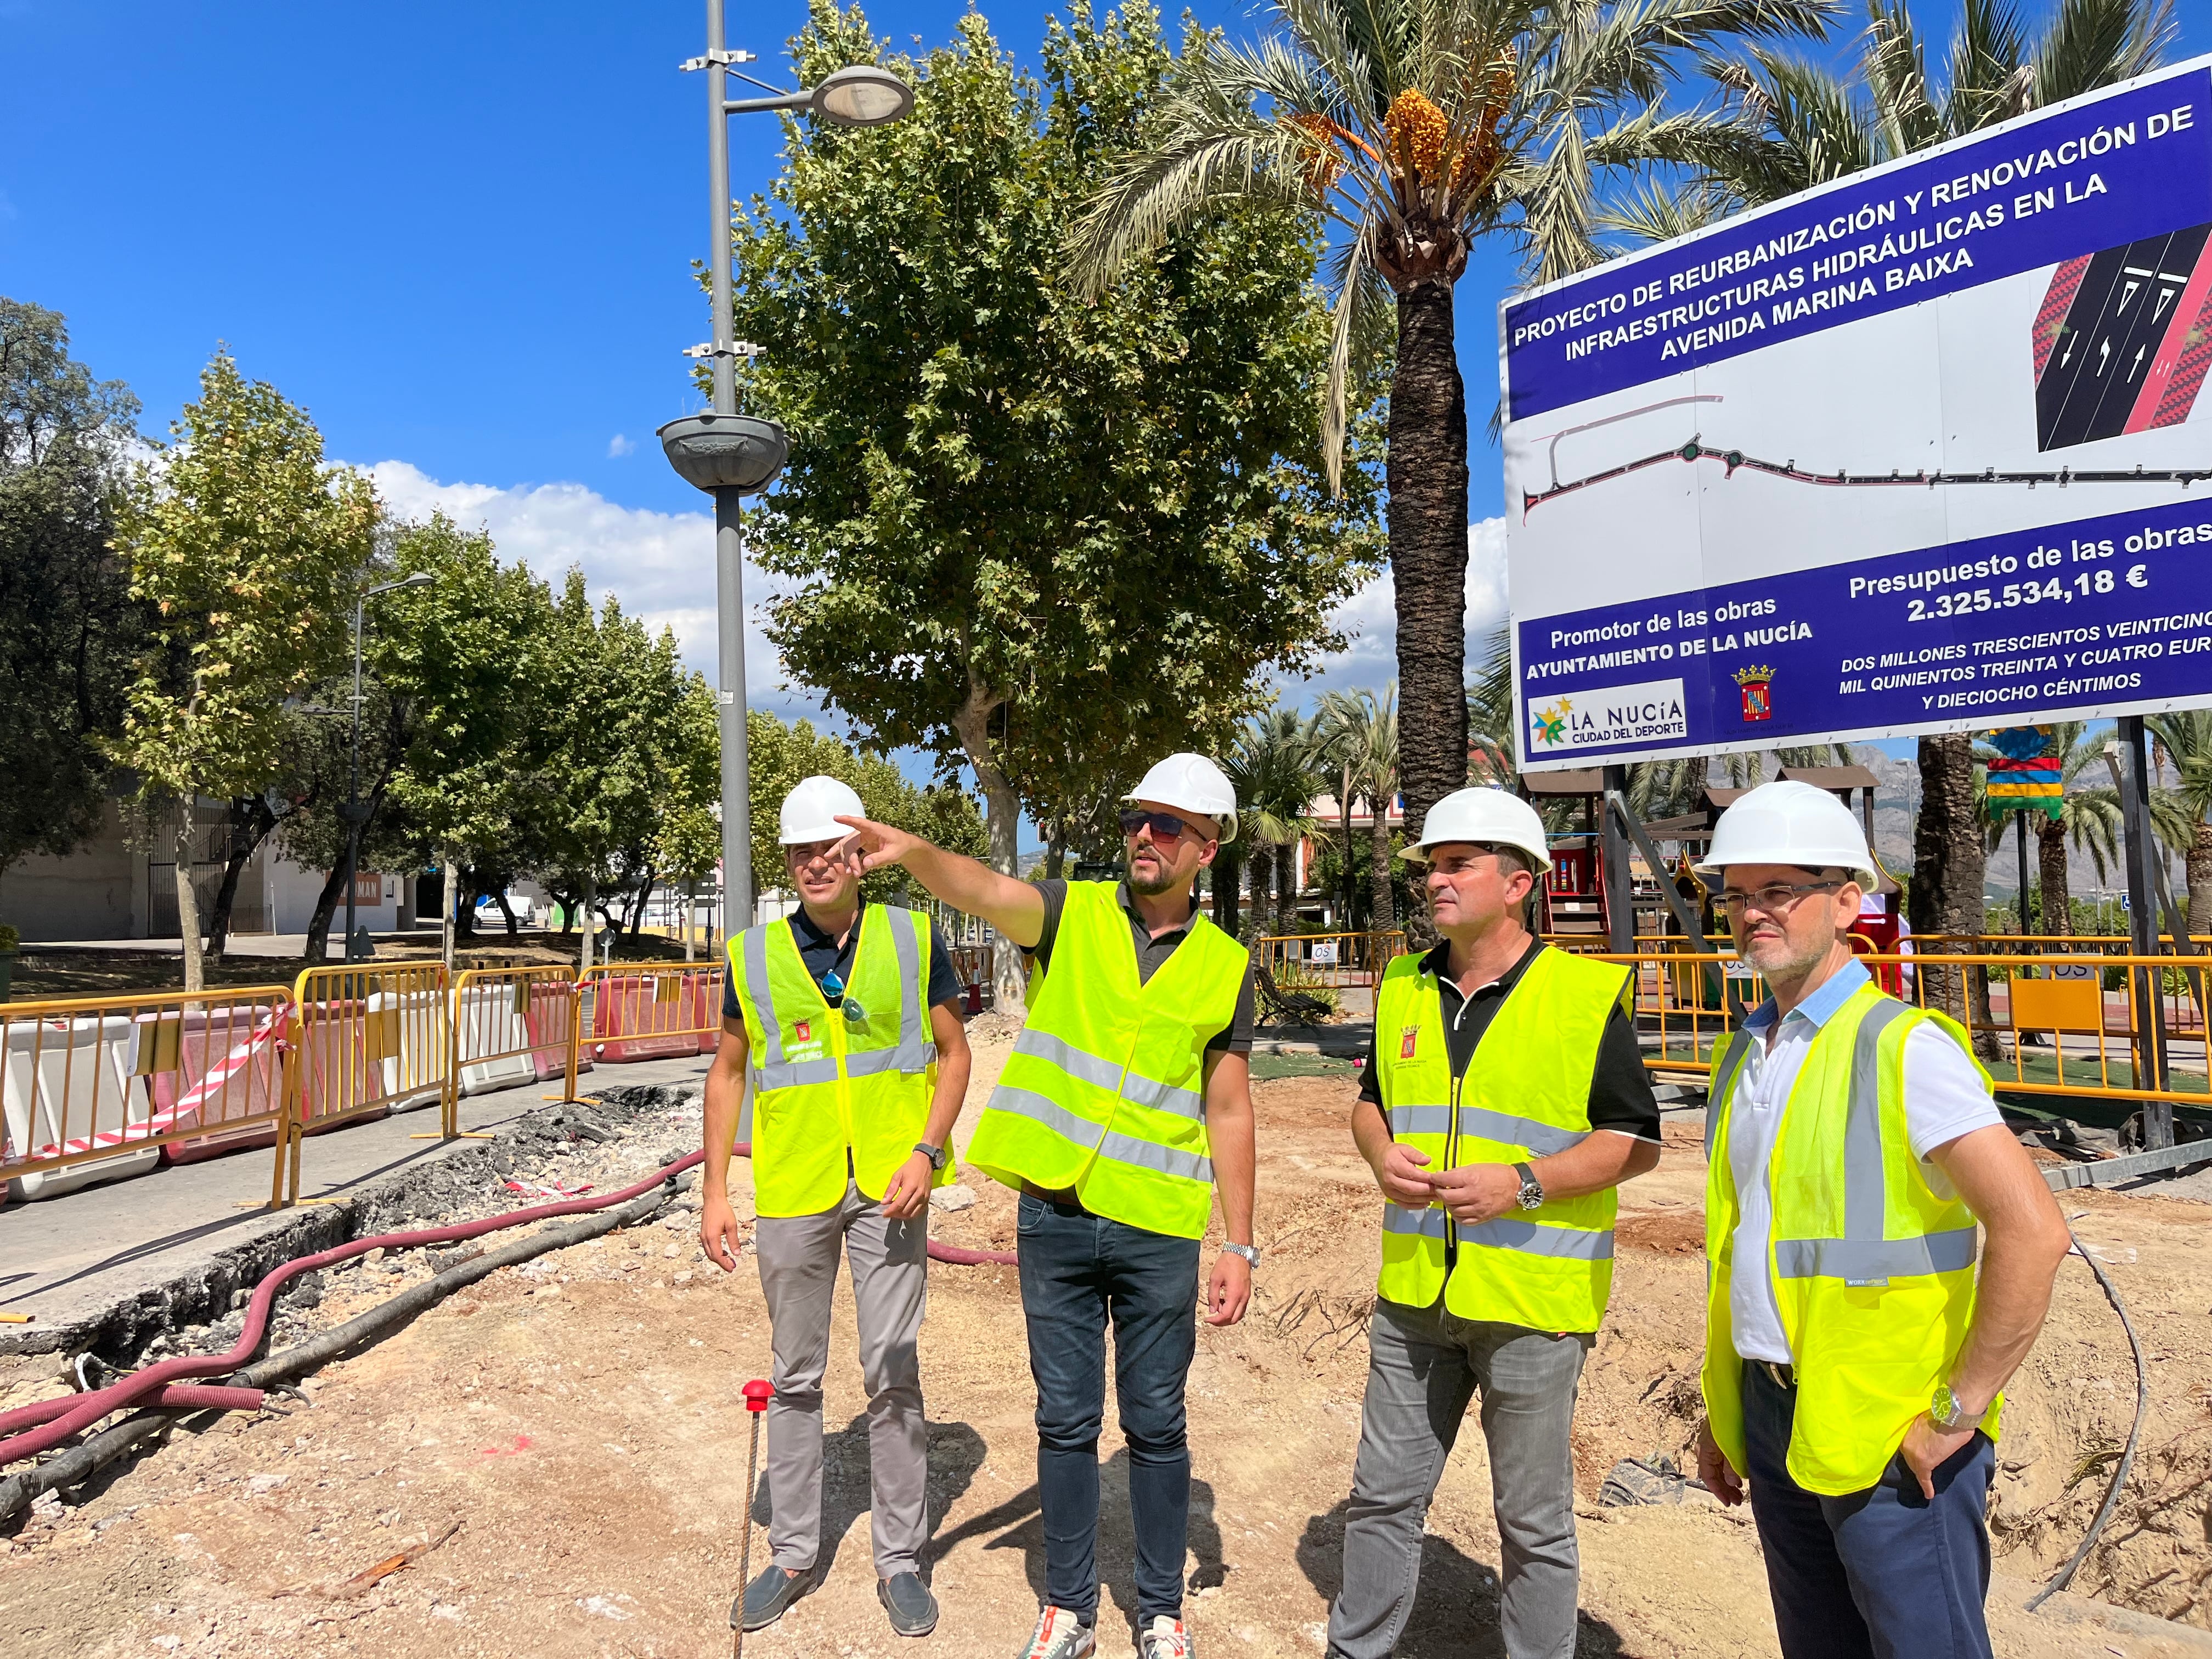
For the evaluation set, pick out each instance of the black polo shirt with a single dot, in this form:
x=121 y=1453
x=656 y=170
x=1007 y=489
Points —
x=1620 y=1095
x=1235 y=1039
x=821 y=951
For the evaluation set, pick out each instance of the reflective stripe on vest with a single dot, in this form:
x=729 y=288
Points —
x=857 y=1108
x=1866 y=1259
x=1549 y=1269
x=1104 y=1093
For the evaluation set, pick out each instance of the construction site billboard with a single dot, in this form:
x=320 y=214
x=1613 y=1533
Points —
x=1919 y=451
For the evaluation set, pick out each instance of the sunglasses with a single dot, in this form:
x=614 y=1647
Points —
x=1166 y=826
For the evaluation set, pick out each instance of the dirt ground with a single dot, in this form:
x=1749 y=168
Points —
x=577 y=1418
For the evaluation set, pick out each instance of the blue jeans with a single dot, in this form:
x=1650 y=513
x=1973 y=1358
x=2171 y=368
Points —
x=1077 y=1271
x=1879 y=1574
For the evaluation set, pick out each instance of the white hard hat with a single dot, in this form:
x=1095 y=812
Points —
x=1790 y=823
x=1196 y=784
x=1485 y=815
x=811 y=811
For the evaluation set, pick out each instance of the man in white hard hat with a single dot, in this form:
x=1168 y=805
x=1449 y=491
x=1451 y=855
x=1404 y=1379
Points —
x=1503 y=1100
x=1125 y=1105
x=849 y=1016
x=1853 y=1363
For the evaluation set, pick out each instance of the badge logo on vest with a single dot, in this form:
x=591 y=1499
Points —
x=802 y=1031
x=1406 y=1039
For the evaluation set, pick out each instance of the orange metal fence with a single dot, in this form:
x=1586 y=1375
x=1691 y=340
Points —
x=93 y=1089
x=367 y=1040
x=512 y=1026
x=625 y=1012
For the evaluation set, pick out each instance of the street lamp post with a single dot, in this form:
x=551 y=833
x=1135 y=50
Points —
x=729 y=455
x=353 y=813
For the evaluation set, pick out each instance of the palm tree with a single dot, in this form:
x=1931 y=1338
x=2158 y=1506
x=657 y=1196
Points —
x=1373 y=724
x=1273 y=769
x=1412 y=127
x=1797 y=124
x=1493 y=736
x=2183 y=818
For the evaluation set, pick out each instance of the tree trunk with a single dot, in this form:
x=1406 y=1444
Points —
x=1056 y=854
x=1227 y=871
x=1261 y=864
x=691 y=921
x=1378 y=868
x=644 y=898
x=188 y=907
x=1002 y=811
x=1286 y=888
x=1950 y=865
x=2050 y=871
x=2198 y=863
x=1346 y=885
x=514 y=927
x=591 y=919
x=326 y=904
x=449 y=897
x=565 y=899
x=1427 y=478
x=250 y=821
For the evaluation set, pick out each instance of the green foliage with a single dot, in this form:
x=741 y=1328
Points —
x=1056 y=538
x=67 y=628
x=243 y=546
x=9 y=938
x=781 y=755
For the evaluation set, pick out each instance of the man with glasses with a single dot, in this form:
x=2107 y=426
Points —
x=1503 y=1100
x=1853 y=1361
x=1126 y=1104
x=849 y=1016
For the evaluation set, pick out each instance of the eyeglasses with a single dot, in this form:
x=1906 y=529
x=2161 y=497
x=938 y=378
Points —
x=1166 y=826
x=1775 y=897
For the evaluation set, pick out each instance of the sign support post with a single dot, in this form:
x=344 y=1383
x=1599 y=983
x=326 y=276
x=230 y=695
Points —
x=1619 y=885
x=2142 y=930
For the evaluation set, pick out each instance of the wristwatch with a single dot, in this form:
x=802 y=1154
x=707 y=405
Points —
x=934 y=1154
x=1250 y=1252
x=1531 y=1196
x=1947 y=1411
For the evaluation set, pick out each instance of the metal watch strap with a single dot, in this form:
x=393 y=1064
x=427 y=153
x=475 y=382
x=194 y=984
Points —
x=1250 y=1252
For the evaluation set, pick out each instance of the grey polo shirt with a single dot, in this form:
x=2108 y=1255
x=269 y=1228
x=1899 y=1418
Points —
x=1235 y=1039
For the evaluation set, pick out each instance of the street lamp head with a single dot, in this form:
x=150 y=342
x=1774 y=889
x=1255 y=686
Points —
x=420 y=578
x=863 y=96
x=725 y=452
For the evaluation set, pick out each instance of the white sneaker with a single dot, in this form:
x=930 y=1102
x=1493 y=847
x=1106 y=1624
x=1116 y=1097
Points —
x=1166 y=1639
x=1060 y=1636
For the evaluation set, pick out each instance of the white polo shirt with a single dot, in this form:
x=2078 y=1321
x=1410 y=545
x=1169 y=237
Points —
x=1944 y=1098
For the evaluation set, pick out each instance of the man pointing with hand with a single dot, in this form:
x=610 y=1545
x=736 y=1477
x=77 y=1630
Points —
x=1126 y=1104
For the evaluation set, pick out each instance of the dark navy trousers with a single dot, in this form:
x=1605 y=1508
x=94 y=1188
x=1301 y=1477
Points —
x=1079 y=1273
x=1879 y=1574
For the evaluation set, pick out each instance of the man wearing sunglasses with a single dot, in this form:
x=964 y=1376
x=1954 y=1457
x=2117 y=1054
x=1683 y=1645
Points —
x=848 y=1017
x=1503 y=1100
x=1853 y=1359
x=1125 y=1105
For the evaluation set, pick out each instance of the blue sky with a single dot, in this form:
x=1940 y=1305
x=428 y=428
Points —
x=461 y=235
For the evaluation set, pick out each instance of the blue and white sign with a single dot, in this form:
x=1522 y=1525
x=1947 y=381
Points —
x=1922 y=450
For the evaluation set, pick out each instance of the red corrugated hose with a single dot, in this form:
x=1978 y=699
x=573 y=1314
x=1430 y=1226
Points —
x=163 y=1384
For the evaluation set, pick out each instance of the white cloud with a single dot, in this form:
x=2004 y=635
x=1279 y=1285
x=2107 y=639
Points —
x=659 y=565
x=1369 y=620
x=618 y=446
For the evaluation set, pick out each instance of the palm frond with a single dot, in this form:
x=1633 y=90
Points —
x=2094 y=43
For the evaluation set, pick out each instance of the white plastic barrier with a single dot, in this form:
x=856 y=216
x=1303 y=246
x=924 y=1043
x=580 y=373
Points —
x=489 y=1024
x=407 y=1041
x=70 y=1086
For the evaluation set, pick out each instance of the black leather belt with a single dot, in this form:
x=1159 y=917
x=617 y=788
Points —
x=1065 y=1199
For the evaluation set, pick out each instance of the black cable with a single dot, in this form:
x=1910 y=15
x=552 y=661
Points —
x=2065 y=1576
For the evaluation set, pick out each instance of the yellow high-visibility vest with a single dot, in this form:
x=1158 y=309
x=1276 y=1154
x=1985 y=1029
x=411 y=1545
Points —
x=1525 y=1095
x=1873 y=1273
x=1105 y=1091
x=830 y=1090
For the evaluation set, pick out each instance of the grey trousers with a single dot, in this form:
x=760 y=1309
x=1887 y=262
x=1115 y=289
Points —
x=798 y=1272
x=1423 y=1365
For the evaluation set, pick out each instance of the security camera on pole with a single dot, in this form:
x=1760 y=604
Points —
x=729 y=455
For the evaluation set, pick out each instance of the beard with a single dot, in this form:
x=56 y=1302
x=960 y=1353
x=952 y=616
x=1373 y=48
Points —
x=1785 y=958
x=1151 y=886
